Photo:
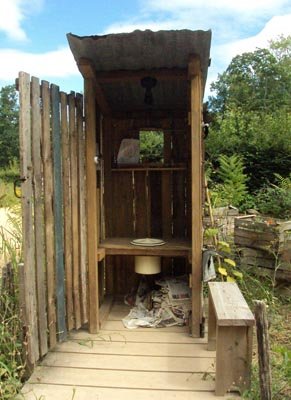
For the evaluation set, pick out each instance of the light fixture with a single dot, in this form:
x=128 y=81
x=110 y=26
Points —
x=148 y=83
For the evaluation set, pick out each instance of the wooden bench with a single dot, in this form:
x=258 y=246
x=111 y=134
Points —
x=230 y=333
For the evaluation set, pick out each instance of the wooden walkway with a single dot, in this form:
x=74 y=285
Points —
x=125 y=364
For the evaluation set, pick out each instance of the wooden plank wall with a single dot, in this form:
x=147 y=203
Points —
x=144 y=203
x=52 y=158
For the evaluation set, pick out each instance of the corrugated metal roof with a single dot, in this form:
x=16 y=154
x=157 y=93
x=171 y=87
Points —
x=143 y=50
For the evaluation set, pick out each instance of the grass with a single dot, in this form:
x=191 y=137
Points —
x=7 y=177
x=11 y=354
x=279 y=316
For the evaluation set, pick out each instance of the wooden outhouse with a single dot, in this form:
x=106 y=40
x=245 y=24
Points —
x=91 y=205
x=143 y=199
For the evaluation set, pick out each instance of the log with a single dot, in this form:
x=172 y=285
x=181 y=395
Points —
x=263 y=350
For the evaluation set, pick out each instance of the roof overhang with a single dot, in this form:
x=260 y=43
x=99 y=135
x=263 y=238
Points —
x=118 y=62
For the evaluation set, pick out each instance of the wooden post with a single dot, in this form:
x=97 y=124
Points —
x=92 y=245
x=38 y=215
x=29 y=275
x=58 y=213
x=263 y=350
x=46 y=149
x=196 y=168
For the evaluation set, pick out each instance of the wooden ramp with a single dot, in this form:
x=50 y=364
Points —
x=125 y=364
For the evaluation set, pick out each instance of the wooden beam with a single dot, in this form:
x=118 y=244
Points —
x=90 y=121
x=162 y=74
x=87 y=70
x=196 y=170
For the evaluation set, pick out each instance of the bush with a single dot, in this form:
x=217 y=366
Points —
x=275 y=200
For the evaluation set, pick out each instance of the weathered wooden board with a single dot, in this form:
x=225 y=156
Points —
x=122 y=379
x=139 y=336
x=67 y=200
x=58 y=212
x=130 y=363
x=231 y=309
x=82 y=208
x=133 y=348
x=57 y=392
x=38 y=215
x=48 y=212
x=29 y=272
x=75 y=207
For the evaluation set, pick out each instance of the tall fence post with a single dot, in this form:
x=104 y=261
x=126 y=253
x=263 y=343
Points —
x=263 y=350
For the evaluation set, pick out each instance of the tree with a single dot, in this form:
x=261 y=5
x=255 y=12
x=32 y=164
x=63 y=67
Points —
x=9 y=111
x=251 y=113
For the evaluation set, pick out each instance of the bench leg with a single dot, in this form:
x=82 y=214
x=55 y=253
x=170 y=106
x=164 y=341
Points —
x=233 y=358
x=211 y=326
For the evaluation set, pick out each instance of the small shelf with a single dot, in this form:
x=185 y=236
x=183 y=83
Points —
x=122 y=246
x=149 y=167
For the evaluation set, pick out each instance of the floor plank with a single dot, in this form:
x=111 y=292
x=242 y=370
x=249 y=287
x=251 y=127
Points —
x=56 y=392
x=122 y=379
x=118 y=326
x=125 y=362
x=137 y=349
x=149 y=336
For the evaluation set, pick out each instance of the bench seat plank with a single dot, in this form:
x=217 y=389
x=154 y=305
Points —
x=230 y=327
x=231 y=309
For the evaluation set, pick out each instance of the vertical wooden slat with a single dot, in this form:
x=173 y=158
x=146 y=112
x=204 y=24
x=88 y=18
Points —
x=67 y=200
x=82 y=208
x=38 y=215
x=58 y=217
x=48 y=211
x=75 y=208
x=90 y=121
x=196 y=121
x=141 y=218
x=27 y=220
x=155 y=188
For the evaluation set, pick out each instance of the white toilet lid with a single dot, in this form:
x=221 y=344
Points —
x=149 y=242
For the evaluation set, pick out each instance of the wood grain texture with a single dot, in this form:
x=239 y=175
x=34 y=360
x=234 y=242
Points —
x=67 y=200
x=48 y=212
x=229 y=305
x=82 y=209
x=196 y=169
x=56 y=392
x=90 y=126
x=27 y=203
x=38 y=215
x=126 y=364
x=75 y=207
x=58 y=212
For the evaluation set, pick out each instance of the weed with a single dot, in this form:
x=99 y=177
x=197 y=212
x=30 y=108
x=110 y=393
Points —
x=11 y=361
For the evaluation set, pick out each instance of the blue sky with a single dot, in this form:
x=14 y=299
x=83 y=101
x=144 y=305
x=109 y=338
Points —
x=33 y=32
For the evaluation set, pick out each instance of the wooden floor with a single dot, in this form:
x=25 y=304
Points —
x=124 y=364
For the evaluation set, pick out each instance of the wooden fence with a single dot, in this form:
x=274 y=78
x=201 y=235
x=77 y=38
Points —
x=52 y=157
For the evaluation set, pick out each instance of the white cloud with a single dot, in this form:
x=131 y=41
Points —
x=226 y=5
x=279 y=25
x=12 y=14
x=58 y=63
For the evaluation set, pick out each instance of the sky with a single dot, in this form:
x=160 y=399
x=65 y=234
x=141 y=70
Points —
x=33 y=32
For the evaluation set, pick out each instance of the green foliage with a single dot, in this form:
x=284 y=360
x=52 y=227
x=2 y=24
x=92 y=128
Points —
x=11 y=362
x=232 y=187
x=152 y=146
x=9 y=141
x=275 y=200
x=7 y=177
x=251 y=113
x=262 y=288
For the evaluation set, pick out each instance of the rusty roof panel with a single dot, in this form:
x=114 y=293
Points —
x=144 y=50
